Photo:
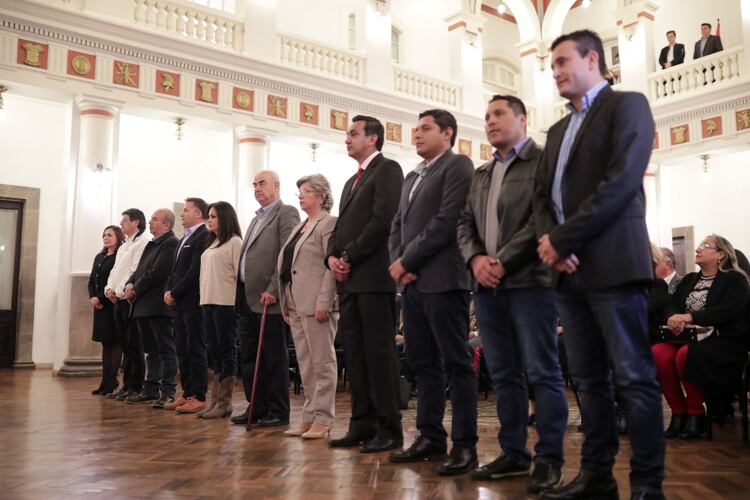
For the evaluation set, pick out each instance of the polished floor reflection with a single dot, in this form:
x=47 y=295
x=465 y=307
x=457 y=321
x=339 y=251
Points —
x=58 y=441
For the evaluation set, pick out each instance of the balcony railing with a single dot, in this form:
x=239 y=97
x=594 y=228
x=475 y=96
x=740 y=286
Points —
x=425 y=88
x=191 y=21
x=320 y=59
x=687 y=78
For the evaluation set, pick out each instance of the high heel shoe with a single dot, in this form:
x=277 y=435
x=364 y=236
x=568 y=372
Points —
x=317 y=431
x=299 y=431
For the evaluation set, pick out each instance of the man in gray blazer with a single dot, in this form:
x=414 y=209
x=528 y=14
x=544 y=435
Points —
x=426 y=260
x=667 y=271
x=708 y=43
x=514 y=301
x=258 y=285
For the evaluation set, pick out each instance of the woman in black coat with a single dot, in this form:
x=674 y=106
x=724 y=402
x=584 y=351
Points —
x=104 y=310
x=715 y=299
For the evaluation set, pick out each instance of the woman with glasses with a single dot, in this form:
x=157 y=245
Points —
x=714 y=300
x=307 y=295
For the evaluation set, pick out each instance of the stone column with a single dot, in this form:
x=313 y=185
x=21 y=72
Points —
x=92 y=212
x=636 y=43
x=465 y=52
x=537 y=88
x=650 y=187
x=252 y=157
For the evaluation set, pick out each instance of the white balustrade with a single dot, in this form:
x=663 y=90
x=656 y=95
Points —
x=425 y=88
x=317 y=58
x=704 y=73
x=191 y=21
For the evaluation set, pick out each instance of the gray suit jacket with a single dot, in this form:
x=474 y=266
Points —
x=423 y=233
x=713 y=45
x=261 y=254
x=313 y=284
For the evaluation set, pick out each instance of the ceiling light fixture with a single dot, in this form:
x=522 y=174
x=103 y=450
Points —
x=501 y=9
x=586 y=4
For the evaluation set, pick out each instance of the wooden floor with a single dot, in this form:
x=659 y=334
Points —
x=58 y=441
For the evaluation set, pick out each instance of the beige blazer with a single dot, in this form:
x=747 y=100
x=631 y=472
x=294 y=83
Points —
x=314 y=287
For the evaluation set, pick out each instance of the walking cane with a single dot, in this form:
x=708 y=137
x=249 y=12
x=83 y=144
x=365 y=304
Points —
x=257 y=369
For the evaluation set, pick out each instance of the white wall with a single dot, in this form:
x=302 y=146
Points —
x=156 y=170
x=424 y=36
x=34 y=141
x=323 y=21
x=714 y=205
x=499 y=38
x=599 y=17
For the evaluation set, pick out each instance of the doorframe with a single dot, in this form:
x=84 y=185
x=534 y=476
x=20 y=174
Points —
x=27 y=274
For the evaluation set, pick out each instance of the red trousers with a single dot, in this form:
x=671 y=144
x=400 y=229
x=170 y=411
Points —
x=670 y=370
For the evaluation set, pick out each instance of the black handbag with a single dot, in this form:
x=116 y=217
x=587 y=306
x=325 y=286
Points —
x=688 y=335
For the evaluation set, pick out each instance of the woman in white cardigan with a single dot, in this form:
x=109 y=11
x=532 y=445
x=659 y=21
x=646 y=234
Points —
x=218 y=285
x=307 y=295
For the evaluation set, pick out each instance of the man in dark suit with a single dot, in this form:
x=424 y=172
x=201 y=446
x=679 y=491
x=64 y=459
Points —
x=708 y=43
x=435 y=301
x=673 y=54
x=589 y=214
x=358 y=257
x=258 y=286
x=514 y=302
x=153 y=318
x=666 y=269
x=183 y=294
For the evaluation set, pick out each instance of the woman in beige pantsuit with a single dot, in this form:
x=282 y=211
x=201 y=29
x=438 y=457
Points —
x=308 y=299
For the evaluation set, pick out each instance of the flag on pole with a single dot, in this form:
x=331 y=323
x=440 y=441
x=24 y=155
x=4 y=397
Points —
x=718 y=27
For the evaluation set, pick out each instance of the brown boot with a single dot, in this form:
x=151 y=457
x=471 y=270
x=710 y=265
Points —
x=223 y=407
x=213 y=396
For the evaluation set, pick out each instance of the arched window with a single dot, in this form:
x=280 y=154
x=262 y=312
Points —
x=395 y=44
x=501 y=74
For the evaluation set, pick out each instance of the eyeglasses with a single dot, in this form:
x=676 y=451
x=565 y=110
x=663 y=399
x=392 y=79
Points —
x=303 y=193
x=706 y=246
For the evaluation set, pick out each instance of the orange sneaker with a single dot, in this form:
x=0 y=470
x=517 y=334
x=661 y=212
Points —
x=193 y=405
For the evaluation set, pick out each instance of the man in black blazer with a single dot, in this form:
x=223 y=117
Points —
x=673 y=54
x=435 y=300
x=358 y=257
x=708 y=43
x=514 y=301
x=145 y=292
x=666 y=269
x=589 y=214
x=183 y=294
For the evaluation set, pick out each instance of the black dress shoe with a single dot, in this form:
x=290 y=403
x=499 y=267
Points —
x=502 y=466
x=349 y=440
x=695 y=425
x=143 y=397
x=636 y=495
x=272 y=422
x=159 y=403
x=378 y=444
x=676 y=425
x=124 y=394
x=422 y=449
x=598 y=485
x=241 y=419
x=460 y=461
x=544 y=477
x=97 y=391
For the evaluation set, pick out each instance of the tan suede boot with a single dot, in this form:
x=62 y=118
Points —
x=213 y=396
x=223 y=407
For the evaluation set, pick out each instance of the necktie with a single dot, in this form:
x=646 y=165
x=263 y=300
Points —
x=360 y=171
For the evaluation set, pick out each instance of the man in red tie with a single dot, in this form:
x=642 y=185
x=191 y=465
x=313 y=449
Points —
x=358 y=257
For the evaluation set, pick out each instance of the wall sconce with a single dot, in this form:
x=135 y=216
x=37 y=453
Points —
x=314 y=147
x=179 y=122
x=3 y=88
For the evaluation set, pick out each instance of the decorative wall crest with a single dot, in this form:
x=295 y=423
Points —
x=127 y=74
x=32 y=53
x=80 y=64
x=339 y=119
x=308 y=113
x=276 y=106
x=207 y=91
x=242 y=99
x=167 y=83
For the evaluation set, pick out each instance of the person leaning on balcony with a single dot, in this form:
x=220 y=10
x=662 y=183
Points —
x=708 y=43
x=673 y=54
x=307 y=293
x=716 y=299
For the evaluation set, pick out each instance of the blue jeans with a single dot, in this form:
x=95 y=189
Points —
x=518 y=329
x=218 y=323
x=436 y=327
x=604 y=328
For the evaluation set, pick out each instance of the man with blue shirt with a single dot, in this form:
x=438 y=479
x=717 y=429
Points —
x=514 y=301
x=589 y=216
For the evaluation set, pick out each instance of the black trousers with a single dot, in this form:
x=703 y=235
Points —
x=368 y=330
x=191 y=352
x=133 y=364
x=272 y=390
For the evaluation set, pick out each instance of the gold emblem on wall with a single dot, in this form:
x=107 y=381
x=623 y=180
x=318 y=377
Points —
x=308 y=113
x=743 y=119
x=126 y=74
x=339 y=119
x=393 y=132
x=655 y=143
x=712 y=127
x=464 y=147
x=485 y=152
x=413 y=136
x=167 y=83
x=32 y=54
x=206 y=91
x=242 y=99
x=680 y=134
x=276 y=106
x=80 y=64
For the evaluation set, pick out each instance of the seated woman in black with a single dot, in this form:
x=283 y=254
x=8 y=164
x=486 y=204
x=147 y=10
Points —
x=716 y=299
